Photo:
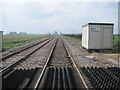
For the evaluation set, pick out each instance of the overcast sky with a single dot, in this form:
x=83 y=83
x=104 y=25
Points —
x=62 y=16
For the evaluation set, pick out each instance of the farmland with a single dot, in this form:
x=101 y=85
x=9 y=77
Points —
x=18 y=40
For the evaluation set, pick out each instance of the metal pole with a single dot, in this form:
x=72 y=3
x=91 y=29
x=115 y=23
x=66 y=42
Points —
x=1 y=47
x=118 y=33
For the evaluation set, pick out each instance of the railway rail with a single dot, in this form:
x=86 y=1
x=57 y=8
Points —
x=22 y=49
x=21 y=58
x=68 y=72
x=60 y=71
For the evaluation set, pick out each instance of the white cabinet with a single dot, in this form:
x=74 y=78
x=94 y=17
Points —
x=97 y=36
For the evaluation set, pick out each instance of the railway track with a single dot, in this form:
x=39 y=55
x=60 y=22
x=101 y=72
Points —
x=22 y=56
x=56 y=71
x=5 y=57
x=50 y=67
x=61 y=72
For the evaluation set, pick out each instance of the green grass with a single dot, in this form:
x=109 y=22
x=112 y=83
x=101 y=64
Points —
x=76 y=41
x=78 y=36
x=18 y=40
x=116 y=42
x=15 y=44
x=75 y=38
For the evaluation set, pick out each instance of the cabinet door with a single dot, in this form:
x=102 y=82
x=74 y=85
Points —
x=107 y=37
x=94 y=42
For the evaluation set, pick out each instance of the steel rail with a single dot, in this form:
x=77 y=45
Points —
x=45 y=66
x=23 y=58
x=23 y=49
x=74 y=64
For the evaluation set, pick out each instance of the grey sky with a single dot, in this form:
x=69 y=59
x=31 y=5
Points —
x=47 y=17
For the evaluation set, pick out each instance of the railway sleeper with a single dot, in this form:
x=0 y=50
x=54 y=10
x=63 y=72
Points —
x=64 y=78
x=101 y=78
x=57 y=78
x=19 y=79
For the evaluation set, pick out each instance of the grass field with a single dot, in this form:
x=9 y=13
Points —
x=18 y=40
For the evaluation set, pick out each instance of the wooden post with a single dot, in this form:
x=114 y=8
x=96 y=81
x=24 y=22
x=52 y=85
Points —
x=1 y=41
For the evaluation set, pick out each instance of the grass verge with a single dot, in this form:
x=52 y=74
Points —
x=21 y=41
x=76 y=41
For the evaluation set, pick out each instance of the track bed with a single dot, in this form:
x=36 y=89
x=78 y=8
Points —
x=59 y=70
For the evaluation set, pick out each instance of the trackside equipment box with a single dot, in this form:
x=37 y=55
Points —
x=97 y=36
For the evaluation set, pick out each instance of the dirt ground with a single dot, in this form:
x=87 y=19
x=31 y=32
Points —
x=110 y=58
x=114 y=55
x=106 y=58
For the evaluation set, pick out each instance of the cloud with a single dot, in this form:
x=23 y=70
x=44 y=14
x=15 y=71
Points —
x=66 y=17
x=59 y=0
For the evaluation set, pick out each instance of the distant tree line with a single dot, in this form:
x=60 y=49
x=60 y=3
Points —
x=15 y=33
x=79 y=36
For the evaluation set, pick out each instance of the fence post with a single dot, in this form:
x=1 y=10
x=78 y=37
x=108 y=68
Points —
x=1 y=47
x=1 y=41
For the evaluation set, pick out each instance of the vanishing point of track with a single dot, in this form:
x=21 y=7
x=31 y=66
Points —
x=61 y=68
